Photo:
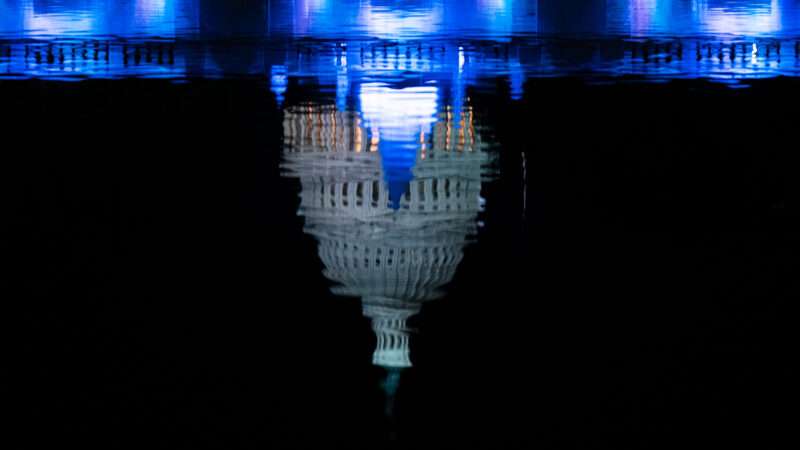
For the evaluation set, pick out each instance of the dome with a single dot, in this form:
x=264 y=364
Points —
x=393 y=253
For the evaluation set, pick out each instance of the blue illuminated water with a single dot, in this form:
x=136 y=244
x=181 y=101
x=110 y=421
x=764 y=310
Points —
x=726 y=40
x=398 y=20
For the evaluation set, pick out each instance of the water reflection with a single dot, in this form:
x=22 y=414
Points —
x=407 y=20
x=94 y=18
x=399 y=119
x=417 y=19
x=391 y=190
x=733 y=18
x=335 y=39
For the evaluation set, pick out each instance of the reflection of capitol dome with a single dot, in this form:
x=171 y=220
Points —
x=393 y=258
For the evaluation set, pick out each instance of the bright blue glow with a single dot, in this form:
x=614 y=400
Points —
x=763 y=18
x=439 y=33
x=318 y=18
x=397 y=20
x=71 y=18
x=412 y=19
x=752 y=18
x=399 y=118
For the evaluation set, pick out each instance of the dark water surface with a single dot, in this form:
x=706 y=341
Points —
x=376 y=224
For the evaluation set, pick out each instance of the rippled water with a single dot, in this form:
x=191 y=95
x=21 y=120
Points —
x=359 y=223
x=405 y=20
x=724 y=40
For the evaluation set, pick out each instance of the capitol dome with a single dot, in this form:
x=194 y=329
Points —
x=393 y=253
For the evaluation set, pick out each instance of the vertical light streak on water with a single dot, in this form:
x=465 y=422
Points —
x=342 y=84
x=397 y=117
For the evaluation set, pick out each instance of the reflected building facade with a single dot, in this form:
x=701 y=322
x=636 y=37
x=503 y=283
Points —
x=391 y=191
x=719 y=18
x=413 y=19
x=340 y=39
x=400 y=21
x=92 y=18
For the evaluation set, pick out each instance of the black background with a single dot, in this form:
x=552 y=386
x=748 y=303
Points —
x=158 y=290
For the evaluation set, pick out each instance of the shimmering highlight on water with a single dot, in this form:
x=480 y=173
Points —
x=512 y=38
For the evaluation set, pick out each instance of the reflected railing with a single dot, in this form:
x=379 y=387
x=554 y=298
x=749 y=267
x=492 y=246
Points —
x=340 y=64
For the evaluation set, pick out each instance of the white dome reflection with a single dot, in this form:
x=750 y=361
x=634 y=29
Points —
x=393 y=259
x=399 y=114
